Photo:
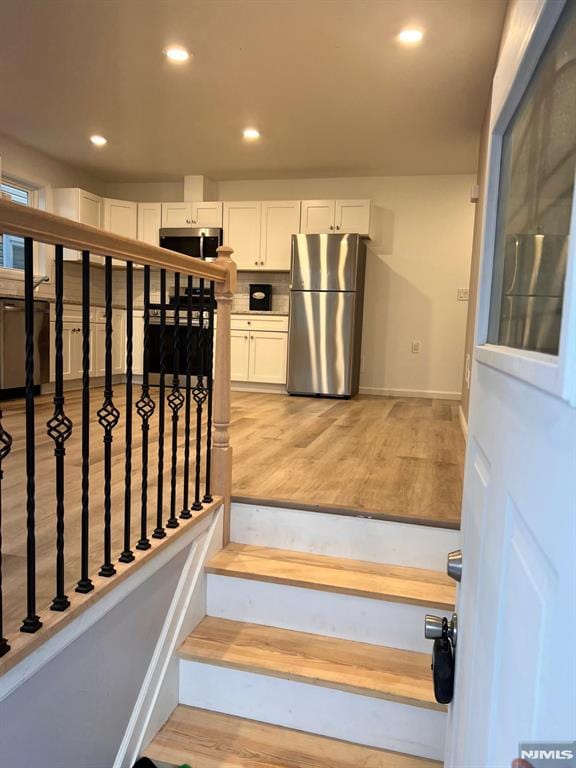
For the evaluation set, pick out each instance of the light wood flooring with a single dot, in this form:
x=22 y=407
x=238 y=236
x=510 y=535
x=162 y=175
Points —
x=391 y=457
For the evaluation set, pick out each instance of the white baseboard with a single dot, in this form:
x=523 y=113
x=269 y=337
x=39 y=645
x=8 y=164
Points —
x=158 y=695
x=425 y=393
x=270 y=389
x=463 y=422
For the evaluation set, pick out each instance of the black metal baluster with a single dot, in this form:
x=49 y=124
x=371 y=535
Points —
x=159 y=531
x=127 y=555
x=108 y=417
x=175 y=401
x=32 y=622
x=145 y=409
x=85 y=584
x=199 y=394
x=210 y=379
x=59 y=429
x=186 y=513
x=5 y=447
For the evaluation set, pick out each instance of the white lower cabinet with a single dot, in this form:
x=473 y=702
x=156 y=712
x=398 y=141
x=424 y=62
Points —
x=239 y=355
x=268 y=357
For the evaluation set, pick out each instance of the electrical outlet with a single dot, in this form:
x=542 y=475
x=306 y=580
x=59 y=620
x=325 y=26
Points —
x=416 y=346
x=462 y=294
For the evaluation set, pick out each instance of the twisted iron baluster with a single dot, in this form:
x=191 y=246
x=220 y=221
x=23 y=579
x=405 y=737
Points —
x=145 y=409
x=159 y=531
x=127 y=555
x=59 y=428
x=186 y=513
x=199 y=393
x=175 y=401
x=85 y=584
x=5 y=447
x=31 y=622
x=210 y=378
x=108 y=417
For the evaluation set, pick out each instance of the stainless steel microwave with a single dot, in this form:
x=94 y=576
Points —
x=196 y=242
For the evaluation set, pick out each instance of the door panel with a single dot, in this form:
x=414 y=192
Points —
x=149 y=222
x=176 y=214
x=268 y=357
x=320 y=340
x=280 y=220
x=353 y=216
x=207 y=214
x=242 y=232
x=317 y=217
x=239 y=355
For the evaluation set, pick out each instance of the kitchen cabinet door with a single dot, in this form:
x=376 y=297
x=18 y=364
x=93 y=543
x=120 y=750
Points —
x=71 y=351
x=82 y=206
x=121 y=217
x=352 y=216
x=317 y=216
x=98 y=349
x=242 y=232
x=118 y=341
x=149 y=222
x=176 y=214
x=207 y=214
x=89 y=208
x=268 y=357
x=239 y=357
x=280 y=220
x=137 y=343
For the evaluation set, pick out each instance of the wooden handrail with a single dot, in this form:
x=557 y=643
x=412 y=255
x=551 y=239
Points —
x=43 y=227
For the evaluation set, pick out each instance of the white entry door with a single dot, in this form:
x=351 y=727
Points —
x=516 y=650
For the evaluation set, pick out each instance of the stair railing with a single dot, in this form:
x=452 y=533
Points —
x=164 y=476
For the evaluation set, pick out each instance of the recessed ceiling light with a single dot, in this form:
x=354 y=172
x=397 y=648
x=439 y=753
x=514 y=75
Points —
x=411 y=36
x=98 y=140
x=177 y=53
x=251 y=134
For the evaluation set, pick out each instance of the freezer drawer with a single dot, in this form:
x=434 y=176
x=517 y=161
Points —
x=327 y=262
x=321 y=343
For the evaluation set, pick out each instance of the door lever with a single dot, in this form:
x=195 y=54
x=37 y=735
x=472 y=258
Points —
x=454 y=565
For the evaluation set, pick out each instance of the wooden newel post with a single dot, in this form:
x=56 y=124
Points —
x=221 y=448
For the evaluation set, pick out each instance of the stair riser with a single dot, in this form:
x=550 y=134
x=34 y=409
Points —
x=398 y=625
x=329 y=712
x=378 y=541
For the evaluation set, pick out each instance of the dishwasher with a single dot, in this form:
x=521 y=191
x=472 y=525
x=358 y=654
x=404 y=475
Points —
x=13 y=346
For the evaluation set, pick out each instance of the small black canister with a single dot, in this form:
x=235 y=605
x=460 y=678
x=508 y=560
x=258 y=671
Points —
x=260 y=297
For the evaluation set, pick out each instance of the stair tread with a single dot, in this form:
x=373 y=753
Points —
x=369 y=670
x=336 y=574
x=213 y=740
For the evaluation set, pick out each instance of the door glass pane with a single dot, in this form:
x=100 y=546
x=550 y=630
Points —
x=535 y=201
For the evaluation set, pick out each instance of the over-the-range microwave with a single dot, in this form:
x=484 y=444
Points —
x=197 y=242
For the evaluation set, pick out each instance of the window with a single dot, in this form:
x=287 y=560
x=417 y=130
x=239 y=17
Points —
x=12 y=247
x=535 y=202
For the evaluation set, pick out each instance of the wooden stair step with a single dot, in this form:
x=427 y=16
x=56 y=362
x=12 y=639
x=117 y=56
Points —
x=212 y=740
x=362 y=668
x=336 y=574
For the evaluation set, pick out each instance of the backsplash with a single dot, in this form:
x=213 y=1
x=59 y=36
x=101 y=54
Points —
x=280 y=282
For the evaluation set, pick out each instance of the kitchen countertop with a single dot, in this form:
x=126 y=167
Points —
x=258 y=312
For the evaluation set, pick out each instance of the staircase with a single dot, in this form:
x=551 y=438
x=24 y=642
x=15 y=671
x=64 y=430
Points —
x=314 y=655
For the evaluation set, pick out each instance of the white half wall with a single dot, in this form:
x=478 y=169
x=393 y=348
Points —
x=418 y=257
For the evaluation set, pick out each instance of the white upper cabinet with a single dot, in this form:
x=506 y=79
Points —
x=176 y=214
x=317 y=216
x=340 y=216
x=242 y=222
x=205 y=214
x=121 y=217
x=352 y=216
x=280 y=220
x=81 y=206
x=149 y=222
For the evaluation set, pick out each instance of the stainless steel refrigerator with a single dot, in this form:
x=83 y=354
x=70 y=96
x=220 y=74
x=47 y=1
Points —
x=326 y=306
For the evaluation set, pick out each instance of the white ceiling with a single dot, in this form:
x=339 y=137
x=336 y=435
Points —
x=325 y=81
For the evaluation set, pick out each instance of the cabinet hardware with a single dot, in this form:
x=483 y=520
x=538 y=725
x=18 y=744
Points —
x=256 y=263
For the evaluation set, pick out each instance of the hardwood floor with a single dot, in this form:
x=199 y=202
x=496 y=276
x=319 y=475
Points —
x=380 y=456
x=389 y=457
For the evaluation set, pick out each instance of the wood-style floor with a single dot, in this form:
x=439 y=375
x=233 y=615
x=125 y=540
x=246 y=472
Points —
x=380 y=456
x=386 y=457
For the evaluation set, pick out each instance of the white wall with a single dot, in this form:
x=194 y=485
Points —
x=146 y=192
x=419 y=256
